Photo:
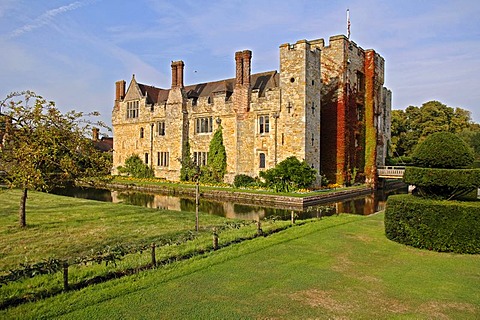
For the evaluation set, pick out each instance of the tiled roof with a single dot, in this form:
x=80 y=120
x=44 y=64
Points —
x=261 y=81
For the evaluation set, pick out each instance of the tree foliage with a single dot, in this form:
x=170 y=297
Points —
x=415 y=123
x=41 y=148
x=289 y=175
x=216 y=166
x=135 y=167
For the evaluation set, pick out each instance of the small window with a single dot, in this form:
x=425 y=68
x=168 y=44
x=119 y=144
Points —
x=200 y=158
x=146 y=158
x=142 y=133
x=132 y=109
x=163 y=159
x=204 y=125
x=262 y=161
x=292 y=80
x=313 y=82
x=263 y=124
x=161 y=128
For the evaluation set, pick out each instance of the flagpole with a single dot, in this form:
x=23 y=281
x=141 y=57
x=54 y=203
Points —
x=348 y=24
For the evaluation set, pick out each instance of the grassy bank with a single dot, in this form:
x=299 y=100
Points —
x=338 y=267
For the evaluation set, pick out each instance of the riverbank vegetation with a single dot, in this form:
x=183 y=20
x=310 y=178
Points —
x=337 y=267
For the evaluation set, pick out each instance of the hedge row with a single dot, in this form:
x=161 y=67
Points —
x=439 y=225
x=443 y=182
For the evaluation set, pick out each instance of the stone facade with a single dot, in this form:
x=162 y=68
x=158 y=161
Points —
x=315 y=108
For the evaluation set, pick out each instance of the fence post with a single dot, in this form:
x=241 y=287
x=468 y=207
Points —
x=154 y=258
x=215 y=239
x=65 y=275
x=293 y=217
x=259 y=228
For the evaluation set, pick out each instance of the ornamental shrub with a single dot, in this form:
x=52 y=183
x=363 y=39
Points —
x=135 y=167
x=439 y=225
x=443 y=183
x=289 y=175
x=243 y=180
x=442 y=150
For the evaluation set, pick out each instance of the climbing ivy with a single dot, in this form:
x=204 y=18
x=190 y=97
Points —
x=216 y=167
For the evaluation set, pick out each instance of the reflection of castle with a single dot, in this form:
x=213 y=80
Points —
x=327 y=106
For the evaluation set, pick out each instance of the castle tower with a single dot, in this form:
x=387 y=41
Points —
x=299 y=118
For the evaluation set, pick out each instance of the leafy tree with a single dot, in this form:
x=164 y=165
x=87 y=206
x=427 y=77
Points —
x=135 y=167
x=41 y=148
x=413 y=125
x=289 y=175
x=216 y=167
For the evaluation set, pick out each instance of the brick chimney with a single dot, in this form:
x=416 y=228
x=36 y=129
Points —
x=239 y=67
x=95 y=134
x=247 y=62
x=177 y=74
x=119 y=90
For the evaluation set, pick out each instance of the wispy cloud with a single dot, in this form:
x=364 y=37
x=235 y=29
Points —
x=48 y=17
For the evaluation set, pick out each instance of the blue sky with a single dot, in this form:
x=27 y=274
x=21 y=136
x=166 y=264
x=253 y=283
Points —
x=72 y=52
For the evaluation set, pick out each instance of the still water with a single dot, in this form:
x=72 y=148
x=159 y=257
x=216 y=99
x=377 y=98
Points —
x=363 y=205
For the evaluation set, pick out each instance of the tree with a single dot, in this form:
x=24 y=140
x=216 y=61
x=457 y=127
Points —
x=189 y=170
x=216 y=166
x=289 y=175
x=413 y=125
x=135 y=167
x=42 y=148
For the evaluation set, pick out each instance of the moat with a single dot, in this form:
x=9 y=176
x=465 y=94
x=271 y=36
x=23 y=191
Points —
x=362 y=205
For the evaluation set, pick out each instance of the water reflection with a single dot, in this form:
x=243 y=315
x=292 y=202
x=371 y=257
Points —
x=363 y=205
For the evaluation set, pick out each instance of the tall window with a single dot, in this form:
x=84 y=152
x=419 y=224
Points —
x=262 y=161
x=146 y=158
x=204 y=125
x=142 y=133
x=263 y=124
x=163 y=159
x=132 y=109
x=161 y=128
x=200 y=158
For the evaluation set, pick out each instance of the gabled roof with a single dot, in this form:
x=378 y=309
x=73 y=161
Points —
x=261 y=81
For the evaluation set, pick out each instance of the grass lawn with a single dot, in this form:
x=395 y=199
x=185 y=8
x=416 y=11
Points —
x=341 y=267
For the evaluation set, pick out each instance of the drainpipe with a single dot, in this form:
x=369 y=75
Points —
x=151 y=146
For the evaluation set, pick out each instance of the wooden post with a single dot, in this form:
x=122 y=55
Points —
x=154 y=259
x=197 y=203
x=293 y=217
x=259 y=228
x=65 y=275
x=215 y=239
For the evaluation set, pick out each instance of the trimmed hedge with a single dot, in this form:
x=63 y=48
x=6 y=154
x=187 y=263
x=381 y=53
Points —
x=439 y=225
x=445 y=183
x=442 y=150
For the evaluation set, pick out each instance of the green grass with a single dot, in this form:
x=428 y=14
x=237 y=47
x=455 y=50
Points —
x=339 y=267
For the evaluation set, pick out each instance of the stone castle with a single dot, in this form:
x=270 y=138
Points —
x=326 y=105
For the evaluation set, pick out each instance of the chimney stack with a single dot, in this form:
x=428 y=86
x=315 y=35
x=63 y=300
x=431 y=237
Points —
x=95 y=134
x=247 y=62
x=119 y=90
x=177 y=74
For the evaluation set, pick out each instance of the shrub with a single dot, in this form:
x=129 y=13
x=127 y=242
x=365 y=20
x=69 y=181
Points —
x=442 y=150
x=135 y=167
x=289 y=175
x=243 y=180
x=439 y=225
x=443 y=183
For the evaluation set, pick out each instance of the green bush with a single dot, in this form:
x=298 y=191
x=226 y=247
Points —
x=135 y=167
x=243 y=180
x=439 y=225
x=442 y=150
x=443 y=183
x=289 y=175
